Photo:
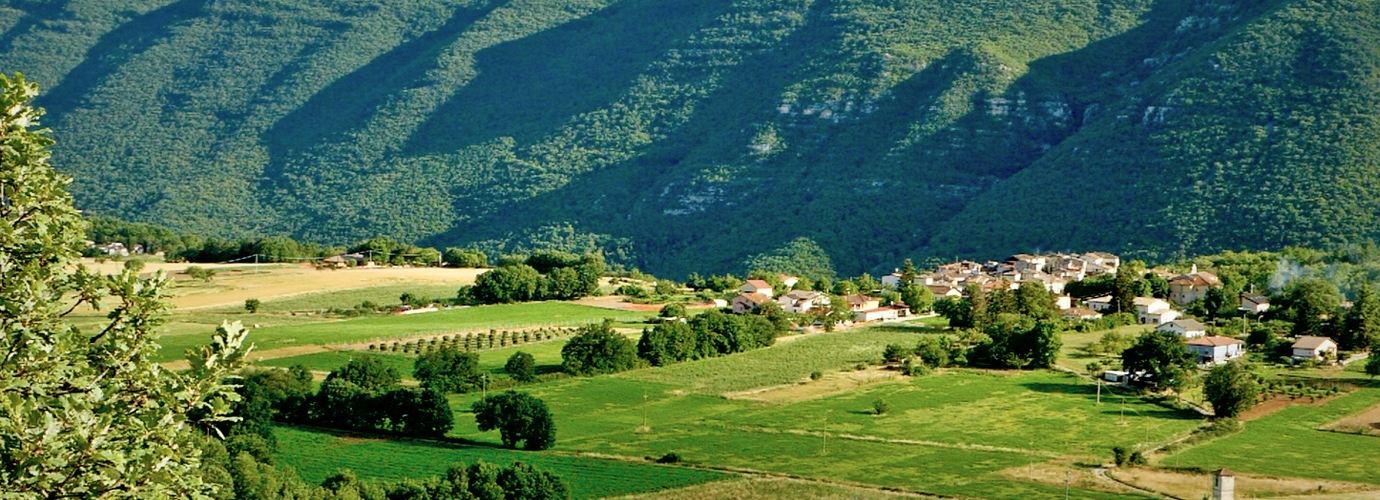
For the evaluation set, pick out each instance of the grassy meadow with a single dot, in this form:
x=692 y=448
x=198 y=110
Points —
x=959 y=432
x=365 y=329
x=318 y=454
x=547 y=355
x=956 y=432
x=790 y=361
x=1289 y=443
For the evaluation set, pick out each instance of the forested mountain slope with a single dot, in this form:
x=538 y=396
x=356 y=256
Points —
x=680 y=135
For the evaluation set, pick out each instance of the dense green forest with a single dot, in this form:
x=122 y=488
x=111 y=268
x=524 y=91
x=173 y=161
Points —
x=676 y=135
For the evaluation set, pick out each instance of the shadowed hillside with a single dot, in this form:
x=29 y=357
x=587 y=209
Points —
x=679 y=135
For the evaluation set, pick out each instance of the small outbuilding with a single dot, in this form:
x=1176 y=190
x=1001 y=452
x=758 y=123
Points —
x=1310 y=347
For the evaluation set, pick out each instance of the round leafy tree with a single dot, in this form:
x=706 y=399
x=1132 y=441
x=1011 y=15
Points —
x=447 y=370
x=518 y=417
x=1231 y=388
x=598 y=349
x=521 y=366
x=86 y=412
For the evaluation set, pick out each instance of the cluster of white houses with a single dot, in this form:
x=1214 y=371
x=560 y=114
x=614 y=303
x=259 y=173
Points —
x=755 y=293
x=1055 y=271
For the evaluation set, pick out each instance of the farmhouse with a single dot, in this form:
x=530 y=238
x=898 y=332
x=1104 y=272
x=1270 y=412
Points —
x=1191 y=287
x=1081 y=313
x=1215 y=350
x=1152 y=311
x=757 y=286
x=1309 y=347
x=1100 y=304
x=1254 y=304
x=1064 y=302
x=788 y=280
x=886 y=313
x=862 y=302
x=749 y=302
x=1186 y=328
x=799 y=301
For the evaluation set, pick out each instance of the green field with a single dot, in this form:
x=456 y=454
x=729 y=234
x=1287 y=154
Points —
x=384 y=327
x=948 y=433
x=345 y=299
x=1288 y=443
x=955 y=432
x=547 y=354
x=317 y=454
x=791 y=361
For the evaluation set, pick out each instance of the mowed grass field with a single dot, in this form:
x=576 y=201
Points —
x=790 y=361
x=1288 y=443
x=951 y=433
x=236 y=282
x=546 y=353
x=366 y=329
x=770 y=489
x=318 y=454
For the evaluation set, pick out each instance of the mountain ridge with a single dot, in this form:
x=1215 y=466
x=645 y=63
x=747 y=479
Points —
x=678 y=136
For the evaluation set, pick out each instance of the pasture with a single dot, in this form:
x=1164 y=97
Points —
x=370 y=328
x=958 y=432
x=236 y=282
x=771 y=489
x=547 y=354
x=318 y=454
x=1289 y=443
x=788 y=362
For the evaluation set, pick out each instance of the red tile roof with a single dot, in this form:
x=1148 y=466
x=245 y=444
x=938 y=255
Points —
x=1214 y=341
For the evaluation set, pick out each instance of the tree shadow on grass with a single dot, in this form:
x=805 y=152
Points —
x=441 y=442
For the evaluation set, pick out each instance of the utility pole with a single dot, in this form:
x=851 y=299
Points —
x=1068 y=477
x=644 y=411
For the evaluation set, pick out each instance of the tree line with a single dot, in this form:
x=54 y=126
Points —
x=1004 y=328
x=188 y=247
x=543 y=275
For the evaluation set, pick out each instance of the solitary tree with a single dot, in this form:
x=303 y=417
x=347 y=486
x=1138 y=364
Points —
x=447 y=370
x=1124 y=291
x=675 y=310
x=86 y=412
x=252 y=305
x=1163 y=355
x=1312 y=303
x=598 y=349
x=521 y=366
x=1361 y=325
x=1231 y=389
x=518 y=417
